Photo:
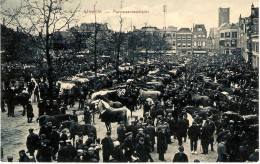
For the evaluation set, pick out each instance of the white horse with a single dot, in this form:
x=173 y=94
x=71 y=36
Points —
x=110 y=115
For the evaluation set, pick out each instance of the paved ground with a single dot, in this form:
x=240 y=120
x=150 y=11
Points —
x=14 y=131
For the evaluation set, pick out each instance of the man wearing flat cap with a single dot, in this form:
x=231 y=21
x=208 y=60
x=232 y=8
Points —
x=23 y=156
x=44 y=153
x=70 y=151
x=32 y=142
x=30 y=114
x=107 y=144
x=121 y=130
x=62 y=152
x=128 y=146
x=54 y=139
x=141 y=151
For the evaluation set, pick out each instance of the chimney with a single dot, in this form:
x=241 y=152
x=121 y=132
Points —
x=68 y=26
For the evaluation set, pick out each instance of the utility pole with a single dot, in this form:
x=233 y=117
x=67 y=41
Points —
x=95 y=48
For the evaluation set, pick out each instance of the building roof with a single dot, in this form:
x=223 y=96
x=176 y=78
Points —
x=228 y=26
x=197 y=26
x=184 y=30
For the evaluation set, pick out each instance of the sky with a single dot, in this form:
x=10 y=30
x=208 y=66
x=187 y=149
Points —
x=179 y=13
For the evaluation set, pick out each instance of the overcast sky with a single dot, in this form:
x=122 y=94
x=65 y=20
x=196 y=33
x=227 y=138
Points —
x=180 y=13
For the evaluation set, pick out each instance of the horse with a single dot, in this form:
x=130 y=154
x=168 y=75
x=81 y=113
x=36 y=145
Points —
x=22 y=99
x=76 y=129
x=115 y=104
x=109 y=114
x=56 y=120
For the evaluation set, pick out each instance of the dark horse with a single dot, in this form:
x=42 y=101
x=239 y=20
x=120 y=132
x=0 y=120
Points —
x=108 y=114
x=56 y=120
x=76 y=129
x=22 y=99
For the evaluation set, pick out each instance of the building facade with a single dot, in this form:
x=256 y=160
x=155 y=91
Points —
x=199 y=39
x=228 y=38
x=184 y=41
x=248 y=37
x=224 y=16
x=170 y=36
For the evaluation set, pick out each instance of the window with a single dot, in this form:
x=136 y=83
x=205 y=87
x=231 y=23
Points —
x=234 y=34
x=195 y=36
x=199 y=44
x=199 y=29
x=233 y=43
x=179 y=37
x=222 y=35
x=203 y=35
x=179 y=45
x=227 y=34
x=199 y=36
x=173 y=35
x=188 y=37
x=195 y=44
x=188 y=45
x=168 y=35
x=222 y=43
x=203 y=44
x=183 y=37
x=183 y=45
x=173 y=43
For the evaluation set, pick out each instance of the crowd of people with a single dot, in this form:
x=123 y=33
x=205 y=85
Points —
x=164 y=121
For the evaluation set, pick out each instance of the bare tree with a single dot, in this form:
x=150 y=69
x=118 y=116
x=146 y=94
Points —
x=42 y=19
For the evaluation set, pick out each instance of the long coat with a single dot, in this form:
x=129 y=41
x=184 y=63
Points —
x=141 y=152
x=162 y=144
x=33 y=141
x=44 y=154
x=194 y=132
x=108 y=146
x=222 y=153
x=151 y=132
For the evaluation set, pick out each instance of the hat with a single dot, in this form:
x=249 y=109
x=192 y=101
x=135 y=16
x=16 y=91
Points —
x=10 y=158
x=141 y=139
x=68 y=141
x=92 y=145
x=231 y=121
x=53 y=127
x=141 y=118
x=109 y=133
x=181 y=148
x=54 y=100
x=61 y=142
x=31 y=130
x=22 y=151
x=140 y=129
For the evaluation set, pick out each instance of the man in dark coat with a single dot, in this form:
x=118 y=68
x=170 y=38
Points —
x=170 y=120
x=162 y=144
x=194 y=133
x=63 y=109
x=62 y=152
x=205 y=137
x=30 y=114
x=23 y=156
x=41 y=107
x=82 y=98
x=32 y=142
x=213 y=128
x=64 y=136
x=36 y=94
x=128 y=146
x=55 y=108
x=107 y=144
x=180 y=156
x=141 y=151
x=55 y=139
x=10 y=102
x=151 y=132
x=121 y=130
x=74 y=116
x=90 y=140
x=87 y=115
x=181 y=129
x=44 y=153
x=70 y=151
x=222 y=152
